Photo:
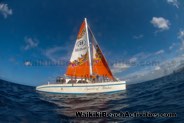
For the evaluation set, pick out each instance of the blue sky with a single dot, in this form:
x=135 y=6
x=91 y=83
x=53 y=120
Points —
x=133 y=34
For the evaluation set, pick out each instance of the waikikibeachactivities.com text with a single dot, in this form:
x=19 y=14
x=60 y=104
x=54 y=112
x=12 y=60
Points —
x=123 y=114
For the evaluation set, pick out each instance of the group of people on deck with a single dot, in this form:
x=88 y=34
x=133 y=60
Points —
x=85 y=79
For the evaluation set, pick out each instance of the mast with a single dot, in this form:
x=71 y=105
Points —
x=89 y=50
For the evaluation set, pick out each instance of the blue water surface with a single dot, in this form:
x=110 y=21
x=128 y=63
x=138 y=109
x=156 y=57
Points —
x=22 y=104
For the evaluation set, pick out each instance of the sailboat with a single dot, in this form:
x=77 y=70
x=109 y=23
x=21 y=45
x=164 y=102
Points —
x=88 y=70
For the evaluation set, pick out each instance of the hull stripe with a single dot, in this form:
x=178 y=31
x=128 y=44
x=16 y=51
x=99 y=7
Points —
x=78 y=86
x=109 y=92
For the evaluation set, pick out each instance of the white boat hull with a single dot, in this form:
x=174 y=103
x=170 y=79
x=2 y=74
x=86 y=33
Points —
x=105 y=87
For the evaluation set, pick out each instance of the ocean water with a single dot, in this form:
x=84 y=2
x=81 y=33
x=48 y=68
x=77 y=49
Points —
x=22 y=104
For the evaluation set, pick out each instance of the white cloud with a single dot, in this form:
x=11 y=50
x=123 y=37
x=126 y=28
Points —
x=157 y=68
x=161 y=23
x=141 y=75
x=134 y=59
x=172 y=46
x=27 y=63
x=174 y=3
x=30 y=43
x=166 y=67
x=54 y=53
x=4 y=10
x=181 y=37
x=141 y=56
x=181 y=34
x=138 y=36
x=182 y=45
x=159 y=52
x=119 y=67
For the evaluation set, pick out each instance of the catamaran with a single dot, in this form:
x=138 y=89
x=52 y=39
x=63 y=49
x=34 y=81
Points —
x=88 y=71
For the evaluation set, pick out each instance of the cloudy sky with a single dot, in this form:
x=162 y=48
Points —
x=141 y=39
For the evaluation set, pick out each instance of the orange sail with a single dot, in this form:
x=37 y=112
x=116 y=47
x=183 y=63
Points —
x=79 y=62
x=100 y=66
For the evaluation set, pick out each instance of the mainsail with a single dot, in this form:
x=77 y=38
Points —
x=100 y=65
x=79 y=65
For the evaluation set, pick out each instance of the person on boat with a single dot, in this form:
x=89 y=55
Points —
x=85 y=78
x=103 y=78
x=97 y=78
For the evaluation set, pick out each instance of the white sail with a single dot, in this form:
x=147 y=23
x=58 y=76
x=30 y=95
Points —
x=80 y=61
x=81 y=46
